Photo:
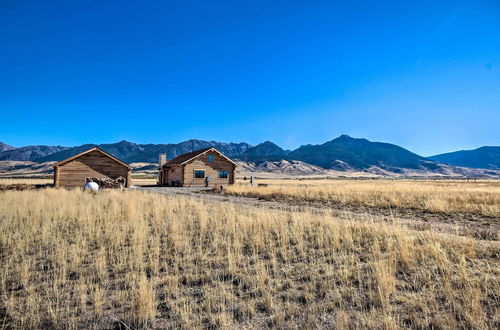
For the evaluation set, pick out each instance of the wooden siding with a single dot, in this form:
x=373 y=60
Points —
x=92 y=164
x=201 y=162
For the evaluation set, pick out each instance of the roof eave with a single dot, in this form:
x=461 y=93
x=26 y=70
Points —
x=220 y=153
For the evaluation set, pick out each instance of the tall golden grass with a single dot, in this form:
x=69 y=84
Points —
x=481 y=197
x=71 y=259
x=6 y=181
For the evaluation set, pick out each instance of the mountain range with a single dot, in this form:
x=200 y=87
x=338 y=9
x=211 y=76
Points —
x=127 y=151
x=360 y=154
x=484 y=157
x=265 y=151
x=344 y=153
x=30 y=153
x=5 y=147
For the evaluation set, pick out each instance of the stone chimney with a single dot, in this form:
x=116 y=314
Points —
x=163 y=159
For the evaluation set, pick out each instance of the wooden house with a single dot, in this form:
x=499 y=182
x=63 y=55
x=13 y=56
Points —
x=92 y=163
x=205 y=167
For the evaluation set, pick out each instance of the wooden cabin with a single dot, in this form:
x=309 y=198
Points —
x=92 y=163
x=205 y=167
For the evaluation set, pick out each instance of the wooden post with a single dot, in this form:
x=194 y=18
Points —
x=56 y=176
x=129 y=179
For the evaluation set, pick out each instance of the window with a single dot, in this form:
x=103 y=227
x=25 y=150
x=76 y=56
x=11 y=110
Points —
x=199 y=174
x=210 y=158
x=223 y=174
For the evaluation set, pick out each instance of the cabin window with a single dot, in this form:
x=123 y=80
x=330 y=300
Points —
x=210 y=158
x=199 y=174
x=223 y=174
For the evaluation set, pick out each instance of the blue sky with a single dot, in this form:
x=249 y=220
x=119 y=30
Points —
x=421 y=74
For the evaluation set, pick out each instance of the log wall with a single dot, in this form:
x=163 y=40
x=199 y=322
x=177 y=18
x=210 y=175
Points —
x=92 y=164
x=219 y=163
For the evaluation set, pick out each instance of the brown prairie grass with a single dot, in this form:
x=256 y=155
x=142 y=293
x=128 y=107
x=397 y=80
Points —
x=71 y=259
x=140 y=181
x=8 y=181
x=482 y=197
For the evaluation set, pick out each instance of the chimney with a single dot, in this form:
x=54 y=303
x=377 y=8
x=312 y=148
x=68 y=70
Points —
x=163 y=159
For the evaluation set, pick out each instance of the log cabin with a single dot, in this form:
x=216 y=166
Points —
x=92 y=163
x=205 y=167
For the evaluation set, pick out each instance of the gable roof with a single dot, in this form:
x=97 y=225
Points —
x=184 y=158
x=67 y=160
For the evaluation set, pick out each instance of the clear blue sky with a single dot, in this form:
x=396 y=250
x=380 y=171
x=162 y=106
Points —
x=422 y=74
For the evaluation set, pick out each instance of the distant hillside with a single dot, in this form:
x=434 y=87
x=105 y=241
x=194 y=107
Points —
x=484 y=157
x=266 y=151
x=295 y=168
x=24 y=168
x=347 y=152
x=133 y=153
x=5 y=147
x=30 y=153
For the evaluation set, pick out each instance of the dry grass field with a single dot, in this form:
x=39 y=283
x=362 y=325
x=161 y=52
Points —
x=142 y=181
x=138 y=181
x=8 y=181
x=130 y=259
x=441 y=196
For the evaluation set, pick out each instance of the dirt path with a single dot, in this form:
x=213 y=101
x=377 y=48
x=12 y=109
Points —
x=484 y=228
